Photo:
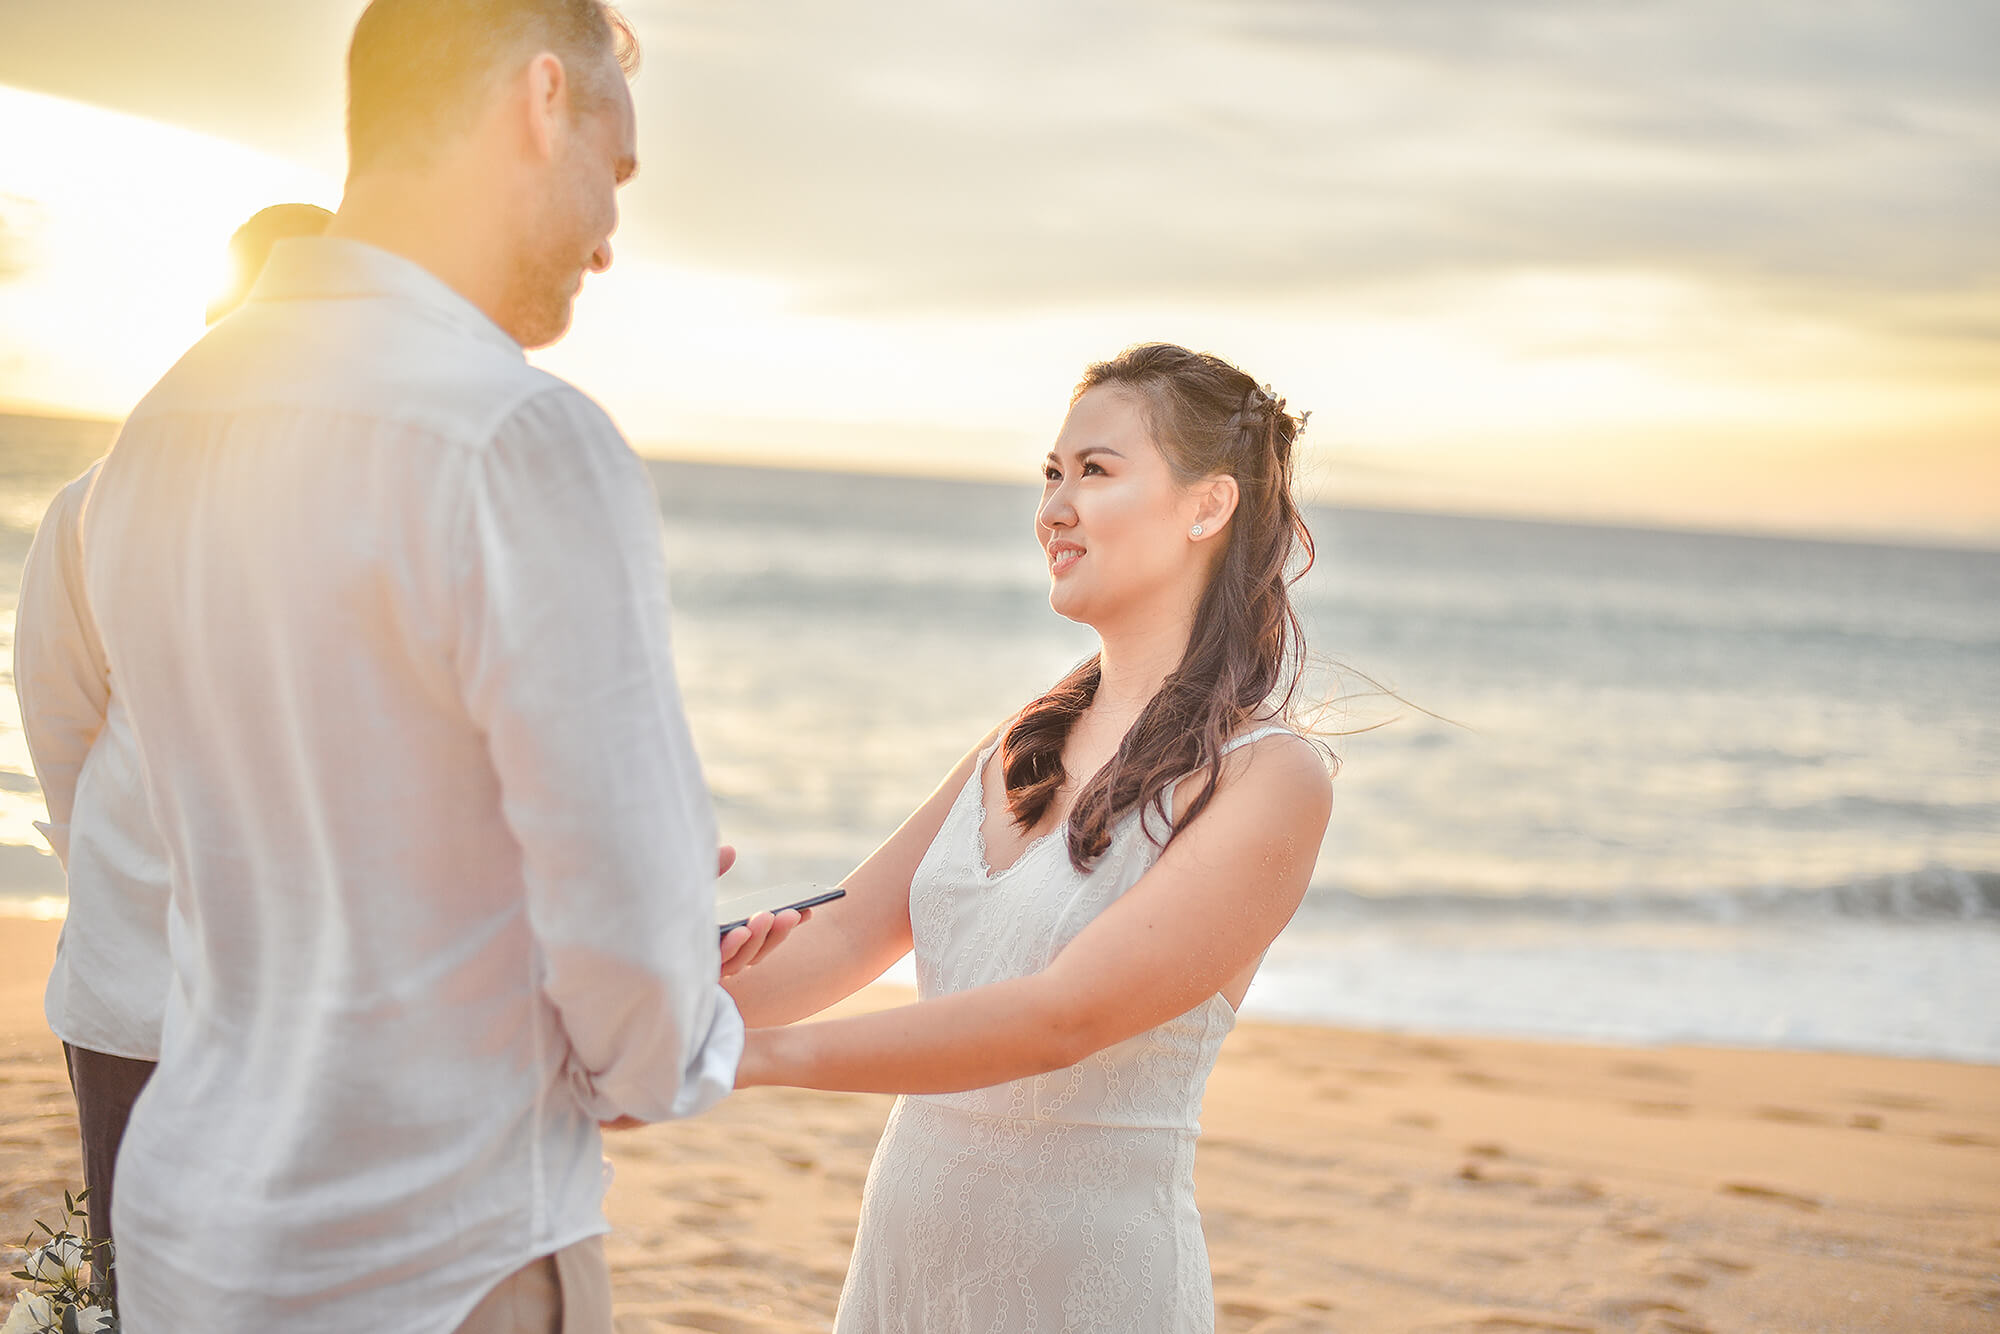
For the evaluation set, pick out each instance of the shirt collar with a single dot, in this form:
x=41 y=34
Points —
x=307 y=268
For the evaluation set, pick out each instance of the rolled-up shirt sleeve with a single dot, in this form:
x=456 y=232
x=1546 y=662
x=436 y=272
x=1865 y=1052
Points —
x=59 y=669
x=563 y=657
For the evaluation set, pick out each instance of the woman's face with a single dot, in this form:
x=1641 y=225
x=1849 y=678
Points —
x=1113 y=520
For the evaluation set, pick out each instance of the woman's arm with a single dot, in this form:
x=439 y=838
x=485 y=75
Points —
x=1207 y=909
x=851 y=941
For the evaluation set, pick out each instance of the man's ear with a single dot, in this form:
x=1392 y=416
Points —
x=546 y=88
x=1215 y=503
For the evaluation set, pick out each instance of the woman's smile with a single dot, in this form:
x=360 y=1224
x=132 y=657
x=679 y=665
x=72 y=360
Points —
x=1063 y=554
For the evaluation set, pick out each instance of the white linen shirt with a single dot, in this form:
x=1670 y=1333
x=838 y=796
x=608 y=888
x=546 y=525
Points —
x=109 y=982
x=388 y=610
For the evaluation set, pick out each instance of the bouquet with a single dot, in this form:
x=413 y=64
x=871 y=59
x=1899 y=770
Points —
x=60 y=1297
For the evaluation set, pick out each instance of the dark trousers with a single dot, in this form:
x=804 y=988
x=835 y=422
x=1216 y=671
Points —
x=105 y=1088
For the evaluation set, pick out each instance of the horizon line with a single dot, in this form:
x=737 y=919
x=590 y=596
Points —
x=781 y=459
x=666 y=452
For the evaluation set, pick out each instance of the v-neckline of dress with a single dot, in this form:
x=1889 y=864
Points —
x=976 y=784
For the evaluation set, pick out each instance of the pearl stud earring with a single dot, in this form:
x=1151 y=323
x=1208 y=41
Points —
x=1195 y=531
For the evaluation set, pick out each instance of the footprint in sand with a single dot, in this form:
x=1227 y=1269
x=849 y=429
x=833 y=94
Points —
x=1895 y=1102
x=1660 y=1108
x=1436 y=1051
x=1865 y=1121
x=1661 y=1323
x=1632 y=1230
x=1579 y=1190
x=719 y=1320
x=1242 y=1310
x=725 y=1258
x=1491 y=1259
x=1486 y=1150
x=1480 y=1174
x=1722 y=1264
x=1651 y=1070
x=1752 y=1191
x=1478 y=1079
x=1504 y=1320
x=1377 y=1076
x=1792 y=1116
x=1967 y=1138
x=1983 y=1298
x=1657 y=1314
x=1414 y=1120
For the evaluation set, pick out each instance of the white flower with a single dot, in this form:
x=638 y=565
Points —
x=92 y=1320
x=60 y=1259
x=32 y=1314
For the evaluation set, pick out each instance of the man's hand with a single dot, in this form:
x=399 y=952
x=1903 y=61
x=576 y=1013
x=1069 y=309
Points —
x=740 y=948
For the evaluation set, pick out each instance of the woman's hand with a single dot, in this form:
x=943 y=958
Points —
x=765 y=932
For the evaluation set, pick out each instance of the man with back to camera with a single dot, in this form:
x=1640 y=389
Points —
x=388 y=612
x=108 y=985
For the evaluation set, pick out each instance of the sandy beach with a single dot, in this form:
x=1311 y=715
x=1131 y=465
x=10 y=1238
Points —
x=1348 y=1181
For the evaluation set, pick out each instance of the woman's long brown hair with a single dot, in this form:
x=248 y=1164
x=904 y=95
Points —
x=1246 y=648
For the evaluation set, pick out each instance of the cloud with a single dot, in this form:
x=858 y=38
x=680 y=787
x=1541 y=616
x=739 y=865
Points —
x=1042 y=154
x=266 y=75
x=893 y=156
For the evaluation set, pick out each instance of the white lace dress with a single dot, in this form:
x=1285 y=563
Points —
x=1064 y=1202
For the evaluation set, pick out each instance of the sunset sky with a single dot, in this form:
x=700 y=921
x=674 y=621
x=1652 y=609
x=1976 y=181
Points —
x=1678 y=261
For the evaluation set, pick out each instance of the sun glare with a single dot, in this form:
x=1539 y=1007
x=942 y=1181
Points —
x=118 y=229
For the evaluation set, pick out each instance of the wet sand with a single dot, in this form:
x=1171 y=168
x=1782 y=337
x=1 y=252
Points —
x=1348 y=1181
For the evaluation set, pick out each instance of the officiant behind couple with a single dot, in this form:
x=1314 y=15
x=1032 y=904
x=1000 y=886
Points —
x=386 y=613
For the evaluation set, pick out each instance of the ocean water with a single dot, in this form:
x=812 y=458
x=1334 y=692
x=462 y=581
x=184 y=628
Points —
x=1640 y=786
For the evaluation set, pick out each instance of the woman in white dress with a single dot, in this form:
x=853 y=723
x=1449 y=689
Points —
x=1088 y=893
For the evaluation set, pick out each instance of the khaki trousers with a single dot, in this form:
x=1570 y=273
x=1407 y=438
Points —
x=565 y=1293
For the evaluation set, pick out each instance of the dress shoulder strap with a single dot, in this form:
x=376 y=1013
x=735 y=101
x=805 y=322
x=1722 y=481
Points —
x=1241 y=739
x=1255 y=734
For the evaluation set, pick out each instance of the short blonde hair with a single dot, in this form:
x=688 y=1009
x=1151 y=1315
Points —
x=416 y=68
